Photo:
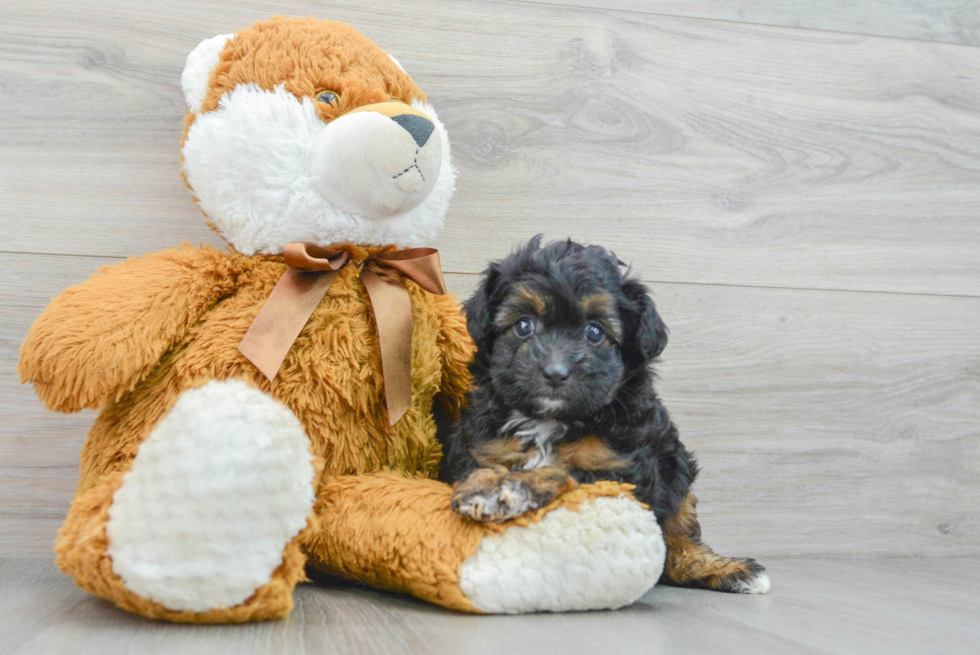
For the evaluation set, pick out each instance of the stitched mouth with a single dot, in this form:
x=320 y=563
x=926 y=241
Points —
x=414 y=165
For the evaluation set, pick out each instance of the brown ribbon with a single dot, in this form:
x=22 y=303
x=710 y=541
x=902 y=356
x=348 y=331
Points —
x=312 y=269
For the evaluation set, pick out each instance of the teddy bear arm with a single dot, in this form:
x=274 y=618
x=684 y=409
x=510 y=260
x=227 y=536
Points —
x=457 y=349
x=96 y=340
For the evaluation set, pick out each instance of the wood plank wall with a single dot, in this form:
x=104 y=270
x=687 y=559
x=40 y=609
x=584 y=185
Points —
x=800 y=185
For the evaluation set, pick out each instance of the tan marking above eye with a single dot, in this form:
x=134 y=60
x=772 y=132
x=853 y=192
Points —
x=533 y=299
x=602 y=308
x=508 y=316
x=597 y=303
x=521 y=302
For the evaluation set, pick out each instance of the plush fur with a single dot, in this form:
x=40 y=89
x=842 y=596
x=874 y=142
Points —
x=187 y=422
x=216 y=442
x=421 y=547
x=624 y=536
x=254 y=142
x=197 y=71
x=139 y=334
x=566 y=341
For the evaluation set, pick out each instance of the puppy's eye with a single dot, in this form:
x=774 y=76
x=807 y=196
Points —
x=328 y=97
x=524 y=327
x=594 y=334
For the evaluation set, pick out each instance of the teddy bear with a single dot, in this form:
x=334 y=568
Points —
x=275 y=406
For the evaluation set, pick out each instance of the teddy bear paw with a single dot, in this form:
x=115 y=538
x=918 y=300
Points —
x=215 y=494
x=604 y=554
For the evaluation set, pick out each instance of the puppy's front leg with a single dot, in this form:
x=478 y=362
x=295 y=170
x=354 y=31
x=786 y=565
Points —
x=497 y=494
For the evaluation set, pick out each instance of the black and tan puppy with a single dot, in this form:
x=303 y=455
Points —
x=564 y=396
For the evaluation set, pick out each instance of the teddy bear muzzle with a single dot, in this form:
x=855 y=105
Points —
x=378 y=161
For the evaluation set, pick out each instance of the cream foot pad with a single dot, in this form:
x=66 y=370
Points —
x=603 y=556
x=215 y=494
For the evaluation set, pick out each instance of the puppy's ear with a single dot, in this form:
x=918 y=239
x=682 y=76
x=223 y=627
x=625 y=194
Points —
x=643 y=323
x=480 y=309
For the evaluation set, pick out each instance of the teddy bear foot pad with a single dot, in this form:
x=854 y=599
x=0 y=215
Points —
x=217 y=491
x=604 y=555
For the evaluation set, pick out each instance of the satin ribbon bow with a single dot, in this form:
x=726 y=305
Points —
x=312 y=269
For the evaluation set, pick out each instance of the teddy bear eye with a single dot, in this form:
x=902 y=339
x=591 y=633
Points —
x=524 y=327
x=328 y=97
x=594 y=334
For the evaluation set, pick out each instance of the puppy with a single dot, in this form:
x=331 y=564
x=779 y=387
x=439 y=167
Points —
x=564 y=396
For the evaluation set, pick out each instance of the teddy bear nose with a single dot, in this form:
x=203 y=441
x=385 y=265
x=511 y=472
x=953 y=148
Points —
x=420 y=128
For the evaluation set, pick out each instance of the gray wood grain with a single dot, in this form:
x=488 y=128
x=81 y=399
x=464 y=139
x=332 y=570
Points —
x=705 y=151
x=889 y=605
x=949 y=21
x=826 y=422
x=748 y=170
x=38 y=449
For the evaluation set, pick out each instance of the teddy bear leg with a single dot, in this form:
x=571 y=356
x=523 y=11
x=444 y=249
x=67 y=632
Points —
x=207 y=523
x=592 y=548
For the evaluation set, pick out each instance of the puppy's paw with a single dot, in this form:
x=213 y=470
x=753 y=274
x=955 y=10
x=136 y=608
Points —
x=496 y=494
x=489 y=496
x=750 y=579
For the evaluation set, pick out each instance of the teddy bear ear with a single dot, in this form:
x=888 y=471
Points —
x=397 y=63
x=197 y=70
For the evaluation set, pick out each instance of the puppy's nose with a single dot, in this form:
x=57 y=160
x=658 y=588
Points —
x=556 y=373
x=419 y=127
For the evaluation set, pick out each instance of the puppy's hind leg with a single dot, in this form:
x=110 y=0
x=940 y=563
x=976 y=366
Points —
x=691 y=563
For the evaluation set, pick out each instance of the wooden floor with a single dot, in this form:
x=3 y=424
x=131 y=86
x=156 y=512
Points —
x=867 y=606
x=798 y=182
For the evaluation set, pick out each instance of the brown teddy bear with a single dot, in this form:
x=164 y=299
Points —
x=273 y=406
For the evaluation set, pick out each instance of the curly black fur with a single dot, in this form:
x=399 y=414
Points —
x=609 y=390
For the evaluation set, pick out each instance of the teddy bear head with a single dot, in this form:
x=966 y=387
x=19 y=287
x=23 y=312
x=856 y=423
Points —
x=305 y=130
